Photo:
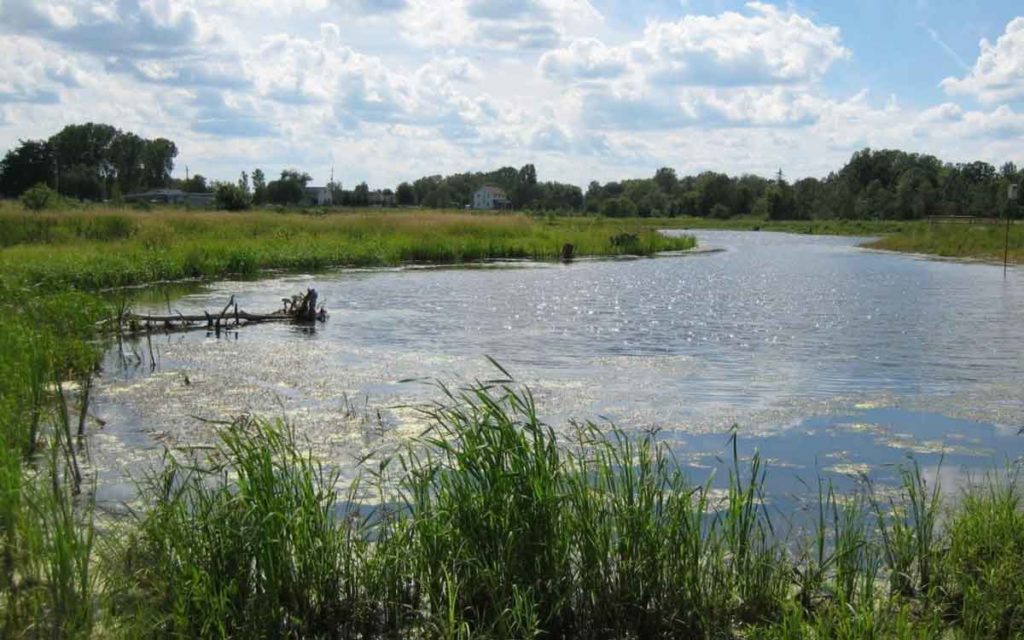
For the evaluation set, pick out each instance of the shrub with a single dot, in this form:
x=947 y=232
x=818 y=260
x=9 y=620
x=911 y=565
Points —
x=231 y=197
x=39 y=197
x=618 y=208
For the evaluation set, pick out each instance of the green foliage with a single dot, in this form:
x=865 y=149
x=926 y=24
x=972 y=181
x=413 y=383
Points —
x=231 y=197
x=88 y=161
x=39 y=197
x=98 y=250
x=289 y=188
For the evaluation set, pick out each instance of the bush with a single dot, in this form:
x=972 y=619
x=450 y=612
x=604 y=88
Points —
x=231 y=197
x=39 y=197
x=618 y=208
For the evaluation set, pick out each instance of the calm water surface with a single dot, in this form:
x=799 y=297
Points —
x=829 y=358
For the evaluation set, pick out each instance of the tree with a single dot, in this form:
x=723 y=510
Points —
x=259 y=187
x=231 y=197
x=618 y=208
x=195 y=184
x=28 y=164
x=361 y=195
x=405 y=195
x=289 y=188
x=337 y=192
x=243 y=182
x=158 y=163
x=666 y=179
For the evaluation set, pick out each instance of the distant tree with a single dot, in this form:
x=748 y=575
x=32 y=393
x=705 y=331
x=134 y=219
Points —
x=243 y=183
x=195 y=184
x=289 y=188
x=361 y=195
x=618 y=208
x=158 y=162
x=259 y=187
x=666 y=179
x=28 y=164
x=405 y=195
x=337 y=192
x=231 y=197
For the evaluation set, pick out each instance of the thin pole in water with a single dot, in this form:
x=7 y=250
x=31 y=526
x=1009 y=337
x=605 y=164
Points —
x=1006 y=242
x=1011 y=195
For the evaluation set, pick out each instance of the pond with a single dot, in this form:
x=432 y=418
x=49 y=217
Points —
x=830 y=359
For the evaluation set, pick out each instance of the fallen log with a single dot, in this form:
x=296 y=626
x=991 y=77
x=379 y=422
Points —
x=299 y=308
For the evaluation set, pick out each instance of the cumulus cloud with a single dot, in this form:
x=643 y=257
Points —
x=998 y=73
x=584 y=59
x=127 y=27
x=31 y=71
x=764 y=46
x=514 y=25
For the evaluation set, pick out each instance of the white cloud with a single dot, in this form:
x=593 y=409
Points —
x=998 y=73
x=138 y=28
x=31 y=71
x=765 y=46
x=515 y=25
x=585 y=59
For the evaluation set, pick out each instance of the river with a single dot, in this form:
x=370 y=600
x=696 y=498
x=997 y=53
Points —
x=830 y=359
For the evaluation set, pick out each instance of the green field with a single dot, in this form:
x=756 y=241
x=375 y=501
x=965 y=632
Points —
x=488 y=526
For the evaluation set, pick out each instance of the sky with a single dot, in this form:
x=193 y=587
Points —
x=391 y=90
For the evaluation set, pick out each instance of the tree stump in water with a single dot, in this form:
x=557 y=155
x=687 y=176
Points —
x=299 y=308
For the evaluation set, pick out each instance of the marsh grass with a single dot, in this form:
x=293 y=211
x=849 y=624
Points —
x=492 y=524
x=982 y=242
x=99 y=248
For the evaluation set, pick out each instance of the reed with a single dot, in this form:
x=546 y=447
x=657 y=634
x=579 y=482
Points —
x=493 y=524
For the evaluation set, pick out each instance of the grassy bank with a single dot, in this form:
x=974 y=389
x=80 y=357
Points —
x=833 y=227
x=978 y=242
x=948 y=240
x=105 y=248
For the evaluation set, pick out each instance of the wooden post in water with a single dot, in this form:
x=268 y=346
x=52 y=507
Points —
x=1011 y=195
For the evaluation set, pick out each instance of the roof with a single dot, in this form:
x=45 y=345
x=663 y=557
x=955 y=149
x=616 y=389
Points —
x=497 y=192
x=156 y=192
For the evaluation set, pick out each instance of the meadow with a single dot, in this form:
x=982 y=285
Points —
x=490 y=524
x=100 y=248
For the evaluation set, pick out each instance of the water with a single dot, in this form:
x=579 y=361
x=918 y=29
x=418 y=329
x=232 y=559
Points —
x=829 y=358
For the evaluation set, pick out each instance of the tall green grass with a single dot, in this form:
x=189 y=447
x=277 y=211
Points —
x=98 y=249
x=492 y=524
x=983 y=242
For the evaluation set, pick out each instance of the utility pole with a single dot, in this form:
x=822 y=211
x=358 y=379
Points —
x=1012 y=193
x=186 y=173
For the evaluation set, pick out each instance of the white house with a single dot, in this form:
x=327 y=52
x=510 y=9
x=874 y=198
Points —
x=317 y=196
x=491 y=197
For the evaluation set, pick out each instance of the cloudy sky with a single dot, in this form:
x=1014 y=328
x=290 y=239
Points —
x=386 y=90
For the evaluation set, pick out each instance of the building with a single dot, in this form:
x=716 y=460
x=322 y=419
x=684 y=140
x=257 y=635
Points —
x=491 y=197
x=171 y=196
x=384 y=198
x=157 y=196
x=317 y=197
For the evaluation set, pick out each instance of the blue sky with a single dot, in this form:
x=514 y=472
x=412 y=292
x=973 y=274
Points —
x=386 y=90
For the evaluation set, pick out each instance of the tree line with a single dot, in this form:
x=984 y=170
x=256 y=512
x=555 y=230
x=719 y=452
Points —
x=101 y=162
x=88 y=162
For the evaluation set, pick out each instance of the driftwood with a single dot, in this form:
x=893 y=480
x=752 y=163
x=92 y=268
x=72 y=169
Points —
x=299 y=308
